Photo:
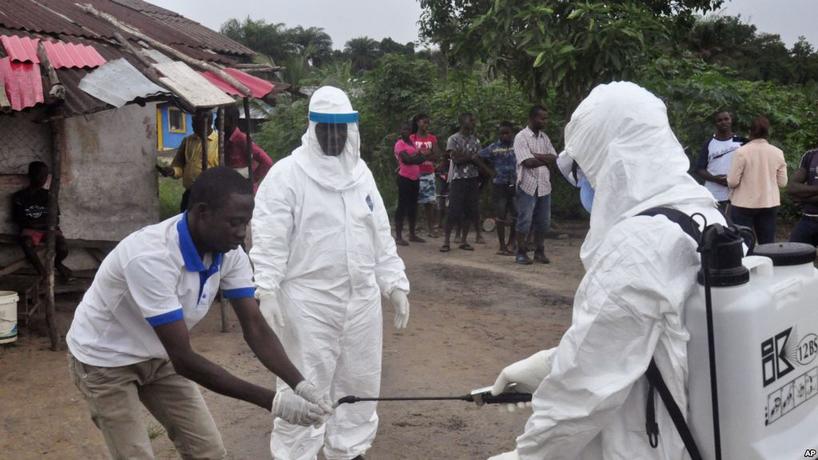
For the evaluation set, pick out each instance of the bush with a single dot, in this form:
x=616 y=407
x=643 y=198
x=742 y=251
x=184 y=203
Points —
x=693 y=91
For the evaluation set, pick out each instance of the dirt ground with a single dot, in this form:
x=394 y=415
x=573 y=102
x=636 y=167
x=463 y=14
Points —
x=472 y=313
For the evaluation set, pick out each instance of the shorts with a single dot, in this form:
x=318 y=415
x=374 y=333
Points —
x=38 y=237
x=503 y=201
x=427 y=193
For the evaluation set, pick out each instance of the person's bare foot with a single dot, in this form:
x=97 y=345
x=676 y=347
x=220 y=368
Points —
x=401 y=242
x=416 y=239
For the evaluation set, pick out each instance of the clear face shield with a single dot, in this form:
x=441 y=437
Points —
x=332 y=130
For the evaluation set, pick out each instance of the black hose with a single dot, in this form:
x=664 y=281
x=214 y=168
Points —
x=711 y=346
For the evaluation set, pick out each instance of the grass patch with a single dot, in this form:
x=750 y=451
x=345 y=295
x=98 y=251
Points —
x=170 y=195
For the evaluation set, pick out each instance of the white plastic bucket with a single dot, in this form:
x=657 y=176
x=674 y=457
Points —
x=8 y=316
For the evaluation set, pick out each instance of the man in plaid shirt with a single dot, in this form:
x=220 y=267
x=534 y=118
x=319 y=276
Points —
x=535 y=155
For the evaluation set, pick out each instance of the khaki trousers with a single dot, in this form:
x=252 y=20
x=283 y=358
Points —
x=115 y=393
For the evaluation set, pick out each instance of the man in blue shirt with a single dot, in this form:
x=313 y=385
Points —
x=500 y=156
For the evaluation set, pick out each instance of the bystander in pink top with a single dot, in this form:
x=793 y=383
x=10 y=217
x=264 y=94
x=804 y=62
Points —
x=411 y=172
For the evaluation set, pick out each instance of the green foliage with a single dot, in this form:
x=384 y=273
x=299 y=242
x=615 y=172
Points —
x=567 y=46
x=279 y=42
x=729 y=42
x=693 y=90
x=392 y=93
x=170 y=196
x=282 y=133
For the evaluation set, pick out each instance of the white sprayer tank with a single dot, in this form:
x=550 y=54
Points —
x=766 y=345
x=8 y=316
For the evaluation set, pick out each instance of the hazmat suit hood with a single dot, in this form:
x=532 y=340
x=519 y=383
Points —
x=621 y=138
x=341 y=172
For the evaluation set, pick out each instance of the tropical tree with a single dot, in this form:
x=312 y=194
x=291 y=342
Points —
x=261 y=36
x=313 y=43
x=363 y=52
x=553 y=44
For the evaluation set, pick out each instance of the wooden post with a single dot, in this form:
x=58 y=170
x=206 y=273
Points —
x=222 y=139
x=222 y=161
x=249 y=144
x=57 y=142
x=205 y=127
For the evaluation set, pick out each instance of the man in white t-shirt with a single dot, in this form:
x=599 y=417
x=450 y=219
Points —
x=129 y=339
x=715 y=158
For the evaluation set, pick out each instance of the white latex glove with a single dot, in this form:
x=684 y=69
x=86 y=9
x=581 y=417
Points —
x=297 y=410
x=527 y=374
x=513 y=455
x=271 y=310
x=308 y=391
x=400 y=302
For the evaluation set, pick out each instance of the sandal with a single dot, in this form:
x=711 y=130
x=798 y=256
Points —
x=445 y=248
x=401 y=242
x=466 y=247
x=504 y=252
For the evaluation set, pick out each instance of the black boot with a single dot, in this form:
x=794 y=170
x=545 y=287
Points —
x=539 y=253
x=522 y=257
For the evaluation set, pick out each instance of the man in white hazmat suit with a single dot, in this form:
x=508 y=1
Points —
x=590 y=392
x=324 y=256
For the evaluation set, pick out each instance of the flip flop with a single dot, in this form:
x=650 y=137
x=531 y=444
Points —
x=445 y=248
x=466 y=247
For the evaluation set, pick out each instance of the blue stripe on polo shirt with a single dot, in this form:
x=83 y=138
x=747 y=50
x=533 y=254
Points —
x=239 y=293
x=165 y=318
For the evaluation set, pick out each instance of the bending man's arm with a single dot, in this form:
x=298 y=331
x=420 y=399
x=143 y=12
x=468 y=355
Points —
x=191 y=365
x=263 y=341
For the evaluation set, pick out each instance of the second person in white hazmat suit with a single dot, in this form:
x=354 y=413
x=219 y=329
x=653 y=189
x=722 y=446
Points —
x=324 y=255
x=590 y=392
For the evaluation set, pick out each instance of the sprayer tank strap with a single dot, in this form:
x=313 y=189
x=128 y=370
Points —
x=654 y=377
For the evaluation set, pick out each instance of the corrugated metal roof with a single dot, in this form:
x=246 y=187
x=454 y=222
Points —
x=199 y=33
x=257 y=86
x=118 y=82
x=188 y=84
x=24 y=86
x=62 y=55
x=21 y=49
x=77 y=101
x=65 y=17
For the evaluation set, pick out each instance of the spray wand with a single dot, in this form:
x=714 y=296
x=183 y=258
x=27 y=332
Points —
x=479 y=396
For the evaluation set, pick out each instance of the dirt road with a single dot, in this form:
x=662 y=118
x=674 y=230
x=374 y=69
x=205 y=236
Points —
x=472 y=313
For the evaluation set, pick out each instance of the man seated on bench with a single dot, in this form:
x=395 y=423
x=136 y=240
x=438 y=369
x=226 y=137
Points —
x=30 y=212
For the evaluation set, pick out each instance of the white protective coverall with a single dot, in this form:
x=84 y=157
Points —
x=590 y=403
x=323 y=250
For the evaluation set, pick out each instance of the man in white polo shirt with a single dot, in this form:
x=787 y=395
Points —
x=129 y=340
